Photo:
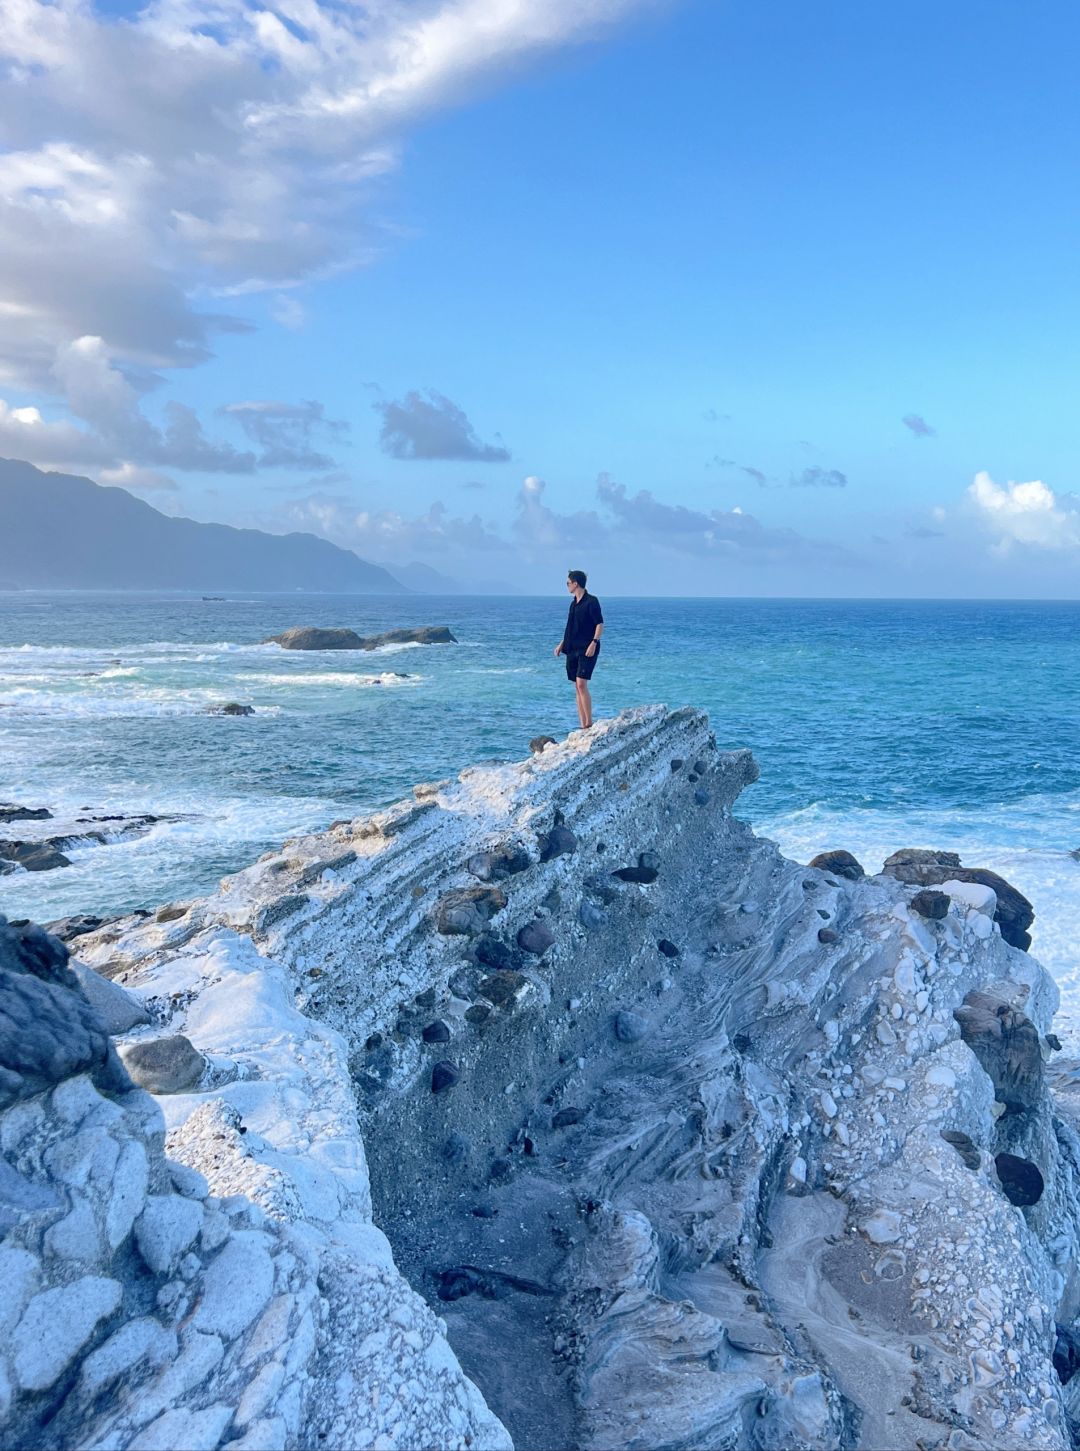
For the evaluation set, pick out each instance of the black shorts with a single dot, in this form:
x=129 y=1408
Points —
x=580 y=666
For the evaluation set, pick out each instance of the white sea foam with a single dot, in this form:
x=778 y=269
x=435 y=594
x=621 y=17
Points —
x=329 y=677
x=143 y=701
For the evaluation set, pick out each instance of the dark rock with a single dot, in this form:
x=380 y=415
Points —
x=629 y=1027
x=642 y=875
x=700 y=767
x=232 y=707
x=444 y=1075
x=493 y=953
x=1006 y=1043
x=559 y=841
x=465 y=1280
x=48 y=1030
x=455 y=1149
x=505 y=989
x=467 y=910
x=964 y=1146
x=668 y=949
x=477 y=1014
x=566 y=1117
x=592 y=916
x=932 y=905
x=677 y=763
x=827 y=935
x=702 y=797
x=822 y=913
x=1053 y=1042
x=922 y=868
x=1020 y=1179
x=484 y=1211
x=1066 y=1353
x=649 y=859
x=68 y=928
x=500 y=1170
x=171 y=914
x=536 y=937
x=427 y=999
x=498 y=864
x=163 y=1065
x=302 y=637
x=537 y=744
x=437 y=1032
x=11 y=812
x=840 y=863
x=33 y=856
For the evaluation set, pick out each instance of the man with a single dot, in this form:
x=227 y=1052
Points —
x=580 y=643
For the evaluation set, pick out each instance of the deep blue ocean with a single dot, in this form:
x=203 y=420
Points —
x=876 y=724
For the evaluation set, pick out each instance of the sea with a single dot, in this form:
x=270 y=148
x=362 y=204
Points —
x=877 y=725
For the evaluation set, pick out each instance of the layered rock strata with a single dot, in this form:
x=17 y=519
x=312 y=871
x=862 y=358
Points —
x=683 y=1144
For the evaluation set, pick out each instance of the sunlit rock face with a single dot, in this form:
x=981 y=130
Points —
x=552 y=1104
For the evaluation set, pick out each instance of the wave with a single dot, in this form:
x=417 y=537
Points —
x=329 y=677
x=147 y=702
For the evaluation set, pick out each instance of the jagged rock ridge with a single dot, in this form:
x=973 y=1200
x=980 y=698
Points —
x=689 y=1146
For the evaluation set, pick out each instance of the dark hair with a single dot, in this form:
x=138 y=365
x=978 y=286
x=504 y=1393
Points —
x=578 y=576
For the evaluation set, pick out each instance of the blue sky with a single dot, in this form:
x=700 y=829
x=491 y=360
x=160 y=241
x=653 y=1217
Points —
x=712 y=256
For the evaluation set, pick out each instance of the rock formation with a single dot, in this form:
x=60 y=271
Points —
x=310 y=637
x=679 y=1144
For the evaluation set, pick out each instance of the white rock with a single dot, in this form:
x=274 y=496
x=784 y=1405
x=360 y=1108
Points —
x=941 y=1076
x=190 y=1430
x=128 y=1192
x=76 y=1236
x=19 y=1276
x=973 y=894
x=828 y=1105
x=236 y=1285
x=165 y=1229
x=143 y=1340
x=904 y=975
x=898 y=1085
x=882 y=1227
x=982 y=926
x=55 y=1327
x=885 y=1034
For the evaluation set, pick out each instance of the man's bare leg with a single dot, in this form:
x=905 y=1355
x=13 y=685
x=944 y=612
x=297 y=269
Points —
x=584 y=703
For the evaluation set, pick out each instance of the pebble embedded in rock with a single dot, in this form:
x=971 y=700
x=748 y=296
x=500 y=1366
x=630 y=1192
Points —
x=668 y=949
x=536 y=937
x=436 y=1032
x=827 y=935
x=477 y=1014
x=630 y=1027
x=702 y=797
x=642 y=875
x=559 y=841
x=163 y=1065
x=882 y=1227
x=930 y=904
x=538 y=744
x=468 y=910
x=591 y=916
x=677 y=763
x=444 y=1075
x=493 y=953
x=565 y=1117
x=505 y=989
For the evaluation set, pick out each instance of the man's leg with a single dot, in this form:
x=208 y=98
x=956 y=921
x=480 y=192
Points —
x=584 y=703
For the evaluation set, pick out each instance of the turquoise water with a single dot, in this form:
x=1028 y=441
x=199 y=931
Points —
x=876 y=724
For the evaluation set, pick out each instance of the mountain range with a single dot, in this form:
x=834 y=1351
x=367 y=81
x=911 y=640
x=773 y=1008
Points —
x=62 y=531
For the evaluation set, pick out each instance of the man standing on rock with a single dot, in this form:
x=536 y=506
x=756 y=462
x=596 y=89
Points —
x=580 y=644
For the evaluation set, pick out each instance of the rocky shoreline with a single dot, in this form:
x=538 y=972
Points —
x=550 y=1106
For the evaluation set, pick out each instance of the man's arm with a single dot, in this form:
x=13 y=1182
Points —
x=595 y=639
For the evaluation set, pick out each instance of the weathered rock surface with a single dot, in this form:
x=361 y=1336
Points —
x=11 y=812
x=788 y=1209
x=309 y=637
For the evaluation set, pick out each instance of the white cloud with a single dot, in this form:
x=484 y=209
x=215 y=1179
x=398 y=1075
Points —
x=386 y=534
x=1026 y=514
x=137 y=480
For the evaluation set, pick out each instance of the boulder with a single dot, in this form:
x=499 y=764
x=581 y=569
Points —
x=163 y=1065
x=118 y=1010
x=924 y=868
x=33 y=856
x=231 y=707
x=311 y=637
x=1021 y=1180
x=839 y=864
x=1006 y=1043
x=538 y=744
x=932 y=905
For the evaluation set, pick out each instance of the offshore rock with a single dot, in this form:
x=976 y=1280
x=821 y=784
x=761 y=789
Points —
x=310 y=637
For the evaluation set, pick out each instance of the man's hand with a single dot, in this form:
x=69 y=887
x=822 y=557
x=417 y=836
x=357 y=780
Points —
x=591 y=651
x=558 y=648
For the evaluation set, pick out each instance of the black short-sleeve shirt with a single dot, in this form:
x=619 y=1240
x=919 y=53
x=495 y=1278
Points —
x=581 y=622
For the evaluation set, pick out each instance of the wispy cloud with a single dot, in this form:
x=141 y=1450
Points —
x=918 y=425
x=430 y=426
x=816 y=477
x=286 y=432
